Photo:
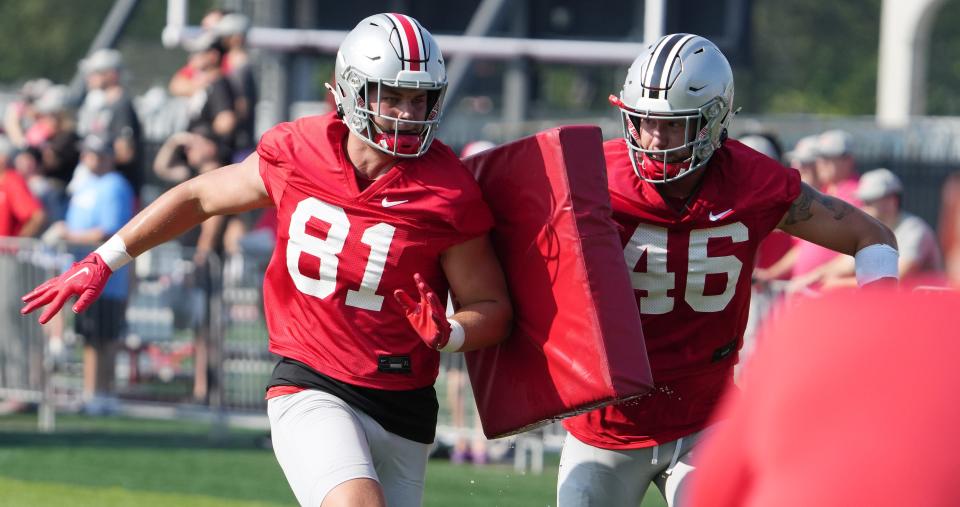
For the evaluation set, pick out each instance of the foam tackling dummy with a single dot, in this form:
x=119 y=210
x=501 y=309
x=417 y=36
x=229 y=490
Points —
x=576 y=343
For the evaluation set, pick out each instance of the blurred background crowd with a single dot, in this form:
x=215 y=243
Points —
x=79 y=157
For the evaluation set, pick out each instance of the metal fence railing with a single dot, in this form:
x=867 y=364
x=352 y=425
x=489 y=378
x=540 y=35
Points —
x=193 y=339
x=25 y=357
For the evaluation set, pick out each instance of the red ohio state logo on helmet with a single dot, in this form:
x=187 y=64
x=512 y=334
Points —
x=413 y=54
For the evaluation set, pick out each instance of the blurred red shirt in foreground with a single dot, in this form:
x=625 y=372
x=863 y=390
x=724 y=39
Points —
x=851 y=400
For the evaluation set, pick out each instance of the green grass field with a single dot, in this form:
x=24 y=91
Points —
x=106 y=462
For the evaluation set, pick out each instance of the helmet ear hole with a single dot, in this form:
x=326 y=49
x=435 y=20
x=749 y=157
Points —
x=434 y=98
x=337 y=92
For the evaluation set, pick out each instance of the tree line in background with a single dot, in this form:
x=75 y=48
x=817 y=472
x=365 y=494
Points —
x=808 y=56
x=46 y=38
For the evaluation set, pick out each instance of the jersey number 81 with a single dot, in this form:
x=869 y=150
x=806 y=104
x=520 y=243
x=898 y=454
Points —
x=378 y=237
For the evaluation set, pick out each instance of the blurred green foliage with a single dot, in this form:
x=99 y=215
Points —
x=812 y=56
x=48 y=37
x=36 y=42
x=943 y=74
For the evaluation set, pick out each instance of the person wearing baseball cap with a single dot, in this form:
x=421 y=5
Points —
x=107 y=113
x=803 y=157
x=237 y=67
x=920 y=263
x=101 y=203
x=881 y=192
x=836 y=166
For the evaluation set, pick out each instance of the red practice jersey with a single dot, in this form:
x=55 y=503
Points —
x=691 y=274
x=341 y=252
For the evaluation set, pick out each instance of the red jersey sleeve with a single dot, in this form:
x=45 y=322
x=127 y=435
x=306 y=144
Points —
x=468 y=213
x=472 y=217
x=275 y=149
x=773 y=187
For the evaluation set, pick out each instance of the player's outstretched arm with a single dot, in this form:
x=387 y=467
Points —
x=230 y=189
x=476 y=280
x=835 y=224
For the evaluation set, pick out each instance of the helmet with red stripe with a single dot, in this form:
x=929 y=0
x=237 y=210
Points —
x=395 y=51
x=681 y=78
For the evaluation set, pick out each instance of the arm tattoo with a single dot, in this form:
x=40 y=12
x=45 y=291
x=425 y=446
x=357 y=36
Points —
x=838 y=207
x=800 y=209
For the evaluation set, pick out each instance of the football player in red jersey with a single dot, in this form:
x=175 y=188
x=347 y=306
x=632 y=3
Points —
x=375 y=220
x=693 y=207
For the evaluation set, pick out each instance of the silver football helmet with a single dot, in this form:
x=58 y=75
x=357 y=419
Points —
x=389 y=50
x=679 y=77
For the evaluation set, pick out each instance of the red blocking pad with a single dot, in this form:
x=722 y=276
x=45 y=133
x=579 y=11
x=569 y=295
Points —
x=577 y=343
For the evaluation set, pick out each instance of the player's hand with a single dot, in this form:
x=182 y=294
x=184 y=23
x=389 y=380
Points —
x=427 y=316
x=85 y=279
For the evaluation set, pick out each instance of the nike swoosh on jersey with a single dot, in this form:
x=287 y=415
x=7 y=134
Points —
x=718 y=216
x=386 y=203
x=85 y=270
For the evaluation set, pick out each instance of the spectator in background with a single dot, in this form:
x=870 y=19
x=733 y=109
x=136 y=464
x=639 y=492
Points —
x=185 y=155
x=21 y=214
x=108 y=113
x=237 y=67
x=882 y=194
x=182 y=83
x=27 y=164
x=98 y=208
x=836 y=167
x=803 y=158
x=920 y=260
x=213 y=109
x=950 y=227
x=19 y=120
x=59 y=154
x=211 y=105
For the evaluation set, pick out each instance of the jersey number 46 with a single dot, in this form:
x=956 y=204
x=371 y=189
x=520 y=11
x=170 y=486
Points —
x=657 y=281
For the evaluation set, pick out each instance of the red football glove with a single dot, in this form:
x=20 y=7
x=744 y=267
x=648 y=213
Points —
x=85 y=278
x=428 y=317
